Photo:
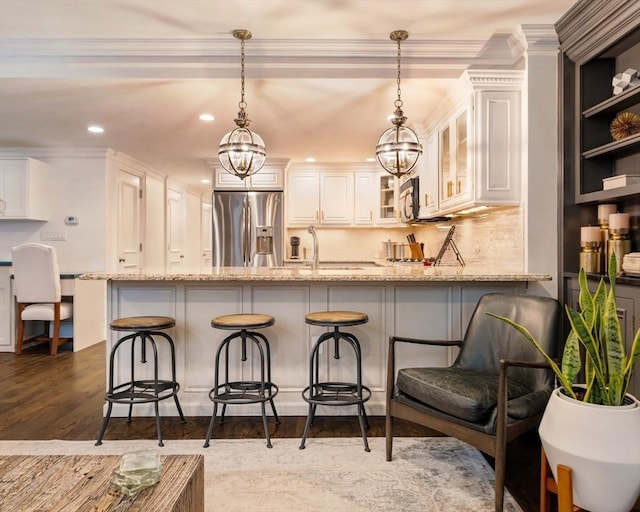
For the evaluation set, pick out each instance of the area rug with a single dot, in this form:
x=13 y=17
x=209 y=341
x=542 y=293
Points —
x=330 y=474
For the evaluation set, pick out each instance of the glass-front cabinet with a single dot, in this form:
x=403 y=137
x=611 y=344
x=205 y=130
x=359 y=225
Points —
x=454 y=159
x=388 y=205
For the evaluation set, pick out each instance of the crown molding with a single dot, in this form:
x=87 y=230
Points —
x=76 y=153
x=200 y=58
x=535 y=40
x=590 y=26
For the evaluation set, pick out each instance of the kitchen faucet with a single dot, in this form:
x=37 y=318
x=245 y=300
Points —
x=314 y=261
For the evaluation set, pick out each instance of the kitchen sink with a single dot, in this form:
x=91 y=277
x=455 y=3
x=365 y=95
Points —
x=328 y=270
x=321 y=267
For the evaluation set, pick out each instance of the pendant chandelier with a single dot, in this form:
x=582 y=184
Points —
x=398 y=148
x=242 y=152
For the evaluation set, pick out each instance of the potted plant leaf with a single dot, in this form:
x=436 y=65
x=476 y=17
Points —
x=594 y=427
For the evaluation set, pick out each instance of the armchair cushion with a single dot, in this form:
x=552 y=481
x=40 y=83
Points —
x=466 y=394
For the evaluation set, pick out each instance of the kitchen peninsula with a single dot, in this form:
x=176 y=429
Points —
x=410 y=300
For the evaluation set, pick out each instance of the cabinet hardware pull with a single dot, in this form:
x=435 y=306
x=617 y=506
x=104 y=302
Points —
x=459 y=186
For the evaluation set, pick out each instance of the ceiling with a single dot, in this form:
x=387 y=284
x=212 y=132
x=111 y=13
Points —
x=320 y=74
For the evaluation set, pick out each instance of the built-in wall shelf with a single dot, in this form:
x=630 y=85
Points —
x=592 y=55
x=616 y=103
x=621 y=147
x=611 y=195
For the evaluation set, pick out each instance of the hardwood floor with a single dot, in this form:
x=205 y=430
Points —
x=61 y=397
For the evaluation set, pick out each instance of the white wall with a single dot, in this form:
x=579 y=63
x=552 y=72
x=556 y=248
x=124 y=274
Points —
x=77 y=187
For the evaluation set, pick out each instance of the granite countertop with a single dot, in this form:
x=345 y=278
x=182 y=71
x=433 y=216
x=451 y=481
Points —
x=347 y=273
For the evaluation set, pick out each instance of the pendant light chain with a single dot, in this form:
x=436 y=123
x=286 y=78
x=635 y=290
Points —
x=398 y=103
x=242 y=103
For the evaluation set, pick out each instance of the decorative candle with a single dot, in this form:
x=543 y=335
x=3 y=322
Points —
x=619 y=221
x=604 y=210
x=590 y=234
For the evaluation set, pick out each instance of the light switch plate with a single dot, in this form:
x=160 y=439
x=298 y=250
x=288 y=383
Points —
x=52 y=236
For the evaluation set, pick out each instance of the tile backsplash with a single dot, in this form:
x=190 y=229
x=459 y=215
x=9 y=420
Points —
x=494 y=238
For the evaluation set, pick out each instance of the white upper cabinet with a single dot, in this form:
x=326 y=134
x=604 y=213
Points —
x=24 y=189
x=336 y=198
x=318 y=197
x=340 y=195
x=303 y=197
x=375 y=199
x=428 y=176
x=479 y=141
x=270 y=177
x=365 y=198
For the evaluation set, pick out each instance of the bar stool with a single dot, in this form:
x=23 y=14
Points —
x=139 y=390
x=243 y=391
x=336 y=393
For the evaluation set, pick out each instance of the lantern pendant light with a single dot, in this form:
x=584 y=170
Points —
x=398 y=148
x=242 y=152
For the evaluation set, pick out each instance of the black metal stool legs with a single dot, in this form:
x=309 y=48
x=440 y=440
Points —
x=137 y=391
x=243 y=391
x=336 y=393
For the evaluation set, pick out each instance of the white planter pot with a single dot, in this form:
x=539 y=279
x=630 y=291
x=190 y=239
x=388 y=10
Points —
x=601 y=445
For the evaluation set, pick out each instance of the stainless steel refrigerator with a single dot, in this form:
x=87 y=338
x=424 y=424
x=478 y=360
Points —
x=247 y=228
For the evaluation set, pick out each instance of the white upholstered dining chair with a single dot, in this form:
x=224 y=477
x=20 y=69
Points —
x=36 y=284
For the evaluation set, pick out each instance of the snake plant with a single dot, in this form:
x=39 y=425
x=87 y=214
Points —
x=596 y=327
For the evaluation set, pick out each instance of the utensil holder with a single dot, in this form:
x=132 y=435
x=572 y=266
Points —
x=416 y=251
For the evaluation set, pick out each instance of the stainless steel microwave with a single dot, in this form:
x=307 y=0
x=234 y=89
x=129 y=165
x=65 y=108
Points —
x=409 y=200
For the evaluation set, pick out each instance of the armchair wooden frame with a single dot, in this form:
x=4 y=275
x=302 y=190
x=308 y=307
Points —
x=493 y=445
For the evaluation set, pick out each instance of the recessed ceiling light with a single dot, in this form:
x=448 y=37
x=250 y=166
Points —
x=205 y=181
x=206 y=117
x=310 y=159
x=95 y=129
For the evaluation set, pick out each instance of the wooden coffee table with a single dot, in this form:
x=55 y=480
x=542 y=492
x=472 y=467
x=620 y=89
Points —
x=66 y=483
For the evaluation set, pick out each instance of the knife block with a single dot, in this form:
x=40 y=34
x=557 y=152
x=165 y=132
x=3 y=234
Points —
x=416 y=251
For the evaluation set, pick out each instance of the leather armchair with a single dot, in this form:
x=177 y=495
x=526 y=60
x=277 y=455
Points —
x=36 y=285
x=496 y=389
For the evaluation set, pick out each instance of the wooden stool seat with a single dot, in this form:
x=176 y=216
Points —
x=142 y=323
x=242 y=321
x=336 y=318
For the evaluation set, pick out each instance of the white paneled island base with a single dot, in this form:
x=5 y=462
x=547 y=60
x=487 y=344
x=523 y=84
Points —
x=421 y=303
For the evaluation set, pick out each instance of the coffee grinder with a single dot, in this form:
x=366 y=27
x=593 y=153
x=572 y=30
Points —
x=295 y=247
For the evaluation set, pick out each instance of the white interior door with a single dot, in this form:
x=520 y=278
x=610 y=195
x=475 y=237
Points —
x=175 y=229
x=129 y=222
